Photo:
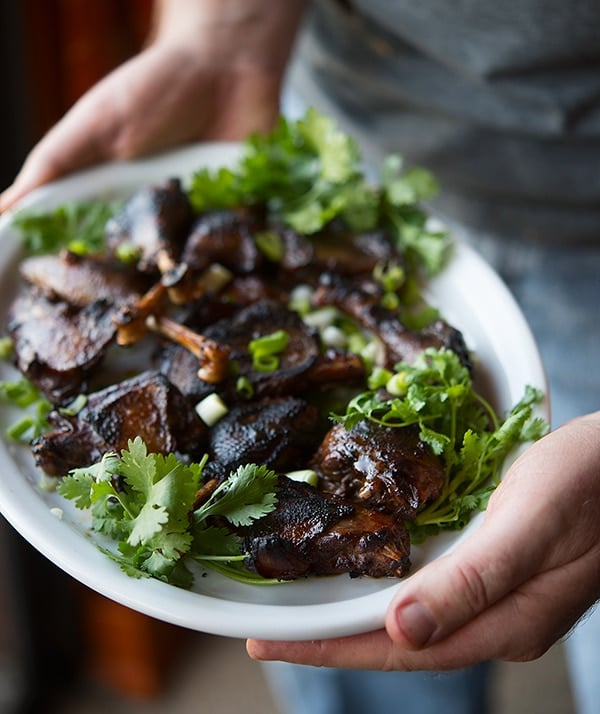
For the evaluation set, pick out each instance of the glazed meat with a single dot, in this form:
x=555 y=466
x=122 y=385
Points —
x=146 y=406
x=155 y=221
x=81 y=281
x=281 y=433
x=56 y=345
x=401 y=344
x=311 y=533
x=385 y=468
x=223 y=237
x=179 y=320
x=335 y=248
x=236 y=333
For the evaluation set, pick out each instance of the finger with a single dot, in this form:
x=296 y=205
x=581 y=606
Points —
x=520 y=627
x=372 y=650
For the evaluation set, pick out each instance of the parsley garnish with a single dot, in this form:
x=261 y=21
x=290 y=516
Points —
x=145 y=502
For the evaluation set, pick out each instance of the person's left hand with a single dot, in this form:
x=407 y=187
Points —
x=510 y=590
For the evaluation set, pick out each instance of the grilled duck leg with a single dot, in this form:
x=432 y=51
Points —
x=311 y=533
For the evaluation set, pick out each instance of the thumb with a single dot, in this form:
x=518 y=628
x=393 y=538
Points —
x=530 y=550
x=492 y=562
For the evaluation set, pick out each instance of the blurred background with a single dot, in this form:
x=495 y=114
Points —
x=64 y=648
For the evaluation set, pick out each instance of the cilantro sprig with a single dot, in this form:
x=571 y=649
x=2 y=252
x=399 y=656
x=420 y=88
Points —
x=145 y=503
x=308 y=172
x=436 y=394
x=78 y=226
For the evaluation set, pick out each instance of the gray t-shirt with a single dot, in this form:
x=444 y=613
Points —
x=500 y=99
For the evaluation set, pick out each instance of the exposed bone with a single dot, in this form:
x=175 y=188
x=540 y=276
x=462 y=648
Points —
x=213 y=357
x=131 y=318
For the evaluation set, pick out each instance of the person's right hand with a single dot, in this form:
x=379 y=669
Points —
x=213 y=72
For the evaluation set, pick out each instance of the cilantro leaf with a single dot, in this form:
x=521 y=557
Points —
x=145 y=502
x=248 y=494
x=436 y=394
x=308 y=173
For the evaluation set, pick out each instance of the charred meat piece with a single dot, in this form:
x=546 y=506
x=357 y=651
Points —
x=265 y=318
x=334 y=368
x=401 y=344
x=180 y=366
x=81 y=280
x=156 y=221
x=385 y=468
x=57 y=345
x=347 y=253
x=301 y=367
x=281 y=433
x=224 y=237
x=312 y=533
x=146 y=406
x=335 y=249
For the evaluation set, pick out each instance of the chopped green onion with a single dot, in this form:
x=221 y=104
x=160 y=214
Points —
x=18 y=430
x=397 y=384
x=78 y=247
x=215 y=278
x=30 y=426
x=128 y=253
x=357 y=343
x=378 y=378
x=332 y=336
x=264 y=350
x=74 y=407
x=244 y=387
x=22 y=393
x=321 y=318
x=390 y=301
x=390 y=275
x=211 y=409
x=6 y=347
x=265 y=363
x=270 y=245
x=301 y=299
x=372 y=352
x=304 y=476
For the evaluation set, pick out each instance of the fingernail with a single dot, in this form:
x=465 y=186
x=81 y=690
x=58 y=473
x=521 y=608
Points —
x=416 y=624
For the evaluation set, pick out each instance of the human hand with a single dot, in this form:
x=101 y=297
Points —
x=212 y=72
x=510 y=590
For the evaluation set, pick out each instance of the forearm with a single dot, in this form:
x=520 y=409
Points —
x=255 y=33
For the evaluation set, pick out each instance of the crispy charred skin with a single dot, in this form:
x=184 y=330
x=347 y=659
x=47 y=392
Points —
x=80 y=280
x=236 y=333
x=335 y=248
x=56 y=345
x=146 y=406
x=311 y=533
x=224 y=237
x=333 y=368
x=156 y=221
x=385 y=468
x=280 y=433
x=401 y=344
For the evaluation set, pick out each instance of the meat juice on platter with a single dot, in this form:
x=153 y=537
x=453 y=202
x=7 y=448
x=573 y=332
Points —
x=292 y=395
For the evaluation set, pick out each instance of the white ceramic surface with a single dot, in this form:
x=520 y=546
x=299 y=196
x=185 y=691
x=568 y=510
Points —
x=471 y=297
